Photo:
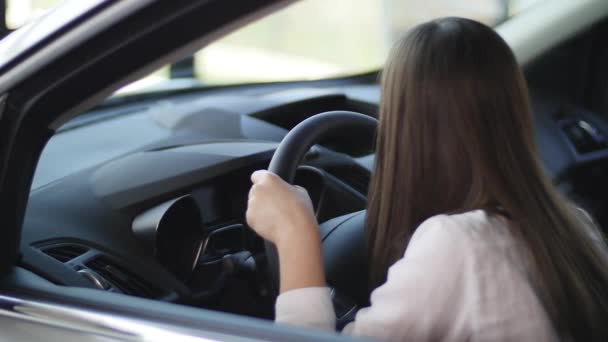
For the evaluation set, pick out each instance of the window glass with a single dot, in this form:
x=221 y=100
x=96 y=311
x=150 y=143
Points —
x=316 y=39
x=21 y=12
x=308 y=40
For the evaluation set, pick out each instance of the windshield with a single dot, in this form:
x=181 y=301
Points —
x=308 y=40
x=319 y=39
x=311 y=39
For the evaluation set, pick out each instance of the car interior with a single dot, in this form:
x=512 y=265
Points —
x=145 y=196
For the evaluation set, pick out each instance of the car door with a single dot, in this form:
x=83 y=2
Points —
x=49 y=73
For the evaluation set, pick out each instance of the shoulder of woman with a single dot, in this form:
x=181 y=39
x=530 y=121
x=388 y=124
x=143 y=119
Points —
x=461 y=225
x=453 y=234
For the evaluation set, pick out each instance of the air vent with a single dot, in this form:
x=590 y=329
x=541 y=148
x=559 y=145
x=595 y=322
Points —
x=64 y=252
x=121 y=279
x=583 y=135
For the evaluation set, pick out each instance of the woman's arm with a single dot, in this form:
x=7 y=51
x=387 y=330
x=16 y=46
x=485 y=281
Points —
x=283 y=214
x=425 y=297
x=421 y=300
x=300 y=261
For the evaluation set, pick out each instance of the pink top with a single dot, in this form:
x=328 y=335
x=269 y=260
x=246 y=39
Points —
x=462 y=278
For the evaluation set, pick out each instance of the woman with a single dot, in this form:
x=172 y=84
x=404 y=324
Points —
x=469 y=240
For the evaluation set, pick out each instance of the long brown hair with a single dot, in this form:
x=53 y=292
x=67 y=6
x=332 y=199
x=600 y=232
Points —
x=456 y=134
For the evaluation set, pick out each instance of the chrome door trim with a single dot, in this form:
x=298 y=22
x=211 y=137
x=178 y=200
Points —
x=90 y=322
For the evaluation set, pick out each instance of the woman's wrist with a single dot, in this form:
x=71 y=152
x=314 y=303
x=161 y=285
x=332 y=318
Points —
x=300 y=229
x=300 y=259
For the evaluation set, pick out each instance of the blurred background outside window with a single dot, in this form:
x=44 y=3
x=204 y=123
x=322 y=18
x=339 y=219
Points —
x=308 y=40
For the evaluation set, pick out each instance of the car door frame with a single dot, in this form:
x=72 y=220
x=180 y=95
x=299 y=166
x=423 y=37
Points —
x=85 y=64
x=63 y=77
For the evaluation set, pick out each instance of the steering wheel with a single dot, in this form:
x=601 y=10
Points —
x=344 y=250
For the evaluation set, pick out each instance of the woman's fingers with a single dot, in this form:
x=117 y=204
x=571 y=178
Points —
x=274 y=206
x=261 y=176
x=251 y=192
x=301 y=189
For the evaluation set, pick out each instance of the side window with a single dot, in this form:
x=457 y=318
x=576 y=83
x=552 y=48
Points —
x=307 y=40
x=21 y=12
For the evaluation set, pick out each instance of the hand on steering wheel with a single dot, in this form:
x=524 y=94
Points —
x=288 y=156
x=277 y=209
x=283 y=215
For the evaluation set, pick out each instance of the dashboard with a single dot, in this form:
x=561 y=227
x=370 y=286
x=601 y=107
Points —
x=114 y=187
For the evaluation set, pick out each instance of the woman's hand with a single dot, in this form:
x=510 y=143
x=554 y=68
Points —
x=283 y=214
x=278 y=211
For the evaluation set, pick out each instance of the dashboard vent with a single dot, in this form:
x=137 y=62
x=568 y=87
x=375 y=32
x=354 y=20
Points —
x=122 y=279
x=65 y=253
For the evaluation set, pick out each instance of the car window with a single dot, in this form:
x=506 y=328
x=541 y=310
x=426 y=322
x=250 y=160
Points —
x=311 y=39
x=318 y=39
x=36 y=20
x=22 y=12
x=308 y=40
